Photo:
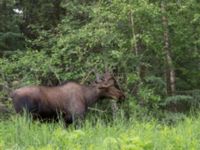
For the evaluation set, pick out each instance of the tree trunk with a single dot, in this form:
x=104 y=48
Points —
x=135 y=46
x=169 y=72
x=141 y=69
x=57 y=11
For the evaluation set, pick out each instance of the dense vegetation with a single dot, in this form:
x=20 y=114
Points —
x=152 y=47
x=19 y=133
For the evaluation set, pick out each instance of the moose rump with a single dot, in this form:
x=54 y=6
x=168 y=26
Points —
x=48 y=102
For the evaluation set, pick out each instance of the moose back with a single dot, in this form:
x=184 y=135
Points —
x=70 y=99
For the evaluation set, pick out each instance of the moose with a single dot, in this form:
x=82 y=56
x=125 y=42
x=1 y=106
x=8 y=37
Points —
x=70 y=99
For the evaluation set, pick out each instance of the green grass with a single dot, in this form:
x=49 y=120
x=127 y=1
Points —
x=20 y=133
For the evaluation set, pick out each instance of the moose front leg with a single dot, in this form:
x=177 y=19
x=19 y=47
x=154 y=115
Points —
x=77 y=110
x=78 y=119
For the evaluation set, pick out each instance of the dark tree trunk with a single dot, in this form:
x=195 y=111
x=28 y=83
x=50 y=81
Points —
x=57 y=11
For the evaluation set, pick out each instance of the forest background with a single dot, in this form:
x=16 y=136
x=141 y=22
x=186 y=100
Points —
x=152 y=47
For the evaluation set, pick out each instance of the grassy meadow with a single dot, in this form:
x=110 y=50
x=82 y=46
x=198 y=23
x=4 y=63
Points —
x=19 y=133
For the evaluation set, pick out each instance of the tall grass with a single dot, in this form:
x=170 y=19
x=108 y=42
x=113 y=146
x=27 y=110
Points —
x=21 y=133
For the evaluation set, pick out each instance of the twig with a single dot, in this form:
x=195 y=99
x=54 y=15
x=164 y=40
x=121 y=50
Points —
x=56 y=75
x=114 y=108
x=84 y=79
x=5 y=84
x=87 y=76
x=95 y=109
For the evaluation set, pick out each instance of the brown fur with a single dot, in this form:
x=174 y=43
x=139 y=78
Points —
x=70 y=99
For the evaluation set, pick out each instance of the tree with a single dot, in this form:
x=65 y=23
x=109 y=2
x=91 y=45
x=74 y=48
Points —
x=10 y=36
x=169 y=72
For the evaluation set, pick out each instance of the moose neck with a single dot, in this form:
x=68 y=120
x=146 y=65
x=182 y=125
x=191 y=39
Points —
x=91 y=95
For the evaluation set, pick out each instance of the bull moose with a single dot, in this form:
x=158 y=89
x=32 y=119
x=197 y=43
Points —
x=71 y=99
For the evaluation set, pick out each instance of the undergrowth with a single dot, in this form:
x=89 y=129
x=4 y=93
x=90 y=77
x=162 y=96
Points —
x=22 y=133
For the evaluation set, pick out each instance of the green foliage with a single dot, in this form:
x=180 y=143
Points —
x=10 y=36
x=70 y=39
x=27 y=68
x=194 y=97
x=186 y=55
x=178 y=98
x=20 y=133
